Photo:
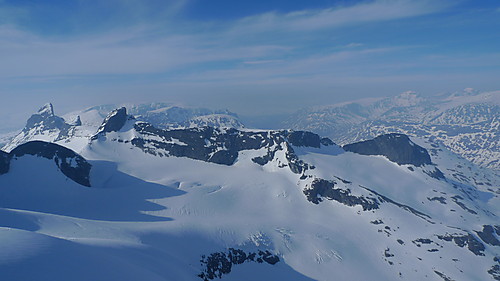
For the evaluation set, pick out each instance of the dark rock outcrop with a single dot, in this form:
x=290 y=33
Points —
x=301 y=138
x=488 y=235
x=218 y=264
x=494 y=271
x=385 y=199
x=4 y=162
x=397 y=148
x=215 y=145
x=46 y=118
x=321 y=188
x=462 y=240
x=69 y=162
x=113 y=122
x=457 y=199
x=46 y=121
x=77 y=121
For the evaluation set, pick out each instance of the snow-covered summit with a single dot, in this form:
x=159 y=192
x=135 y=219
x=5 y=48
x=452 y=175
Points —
x=466 y=122
x=43 y=125
x=46 y=110
x=210 y=203
x=74 y=129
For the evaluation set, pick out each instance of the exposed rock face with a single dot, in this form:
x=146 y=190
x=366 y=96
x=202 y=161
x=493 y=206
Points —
x=4 y=162
x=70 y=163
x=45 y=117
x=77 y=121
x=43 y=125
x=301 y=138
x=397 y=148
x=462 y=240
x=215 y=145
x=321 y=188
x=494 y=271
x=113 y=122
x=488 y=234
x=218 y=264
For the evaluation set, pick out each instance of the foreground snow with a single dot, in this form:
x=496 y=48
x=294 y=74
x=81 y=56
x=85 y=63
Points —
x=148 y=217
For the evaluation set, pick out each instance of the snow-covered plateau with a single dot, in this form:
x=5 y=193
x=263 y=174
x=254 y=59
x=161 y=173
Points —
x=127 y=200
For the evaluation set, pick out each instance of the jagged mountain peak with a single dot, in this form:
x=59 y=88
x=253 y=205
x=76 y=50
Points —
x=43 y=125
x=46 y=110
x=77 y=121
x=205 y=203
x=114 y=122
x=45 y=119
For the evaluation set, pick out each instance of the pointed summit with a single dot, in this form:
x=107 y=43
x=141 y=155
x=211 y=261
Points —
x=46 y=110
x=113 y=122
x=45 y=119
x=76 y=121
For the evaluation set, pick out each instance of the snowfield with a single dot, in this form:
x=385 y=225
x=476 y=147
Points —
x=157 y=217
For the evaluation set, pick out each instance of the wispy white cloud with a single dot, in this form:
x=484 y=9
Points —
x=24 y=54
x=353 y=45
x=304 y=51
x=156 y=48
x=381 y=10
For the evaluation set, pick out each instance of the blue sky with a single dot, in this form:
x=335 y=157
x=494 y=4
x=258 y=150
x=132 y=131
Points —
x=253 y=57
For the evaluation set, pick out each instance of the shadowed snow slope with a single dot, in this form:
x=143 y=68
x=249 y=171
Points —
x=287 y=206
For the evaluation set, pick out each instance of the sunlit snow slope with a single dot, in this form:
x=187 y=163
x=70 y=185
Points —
x=208 y=203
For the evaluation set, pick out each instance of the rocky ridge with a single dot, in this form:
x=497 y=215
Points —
x=71 y=164
x=467 y=122
x=46 y=126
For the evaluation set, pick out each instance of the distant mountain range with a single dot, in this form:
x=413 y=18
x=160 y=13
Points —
x=133 y=201
x=74 y=129
x=467 y=122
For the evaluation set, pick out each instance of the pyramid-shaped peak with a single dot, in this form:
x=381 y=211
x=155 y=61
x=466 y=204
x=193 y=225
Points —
x=115 y=120
x=47 y=110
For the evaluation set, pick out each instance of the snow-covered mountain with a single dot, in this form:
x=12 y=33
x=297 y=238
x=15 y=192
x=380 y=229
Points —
x=238 y=204
x=74 y=134
x=467 y=123
x=46 y=126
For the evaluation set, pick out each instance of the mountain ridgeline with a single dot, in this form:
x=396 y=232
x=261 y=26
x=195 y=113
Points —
x=71 y=164
x=216 y=202
x=396 y=147
x=209 y=144
x=466 y=122
x=222 y=145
